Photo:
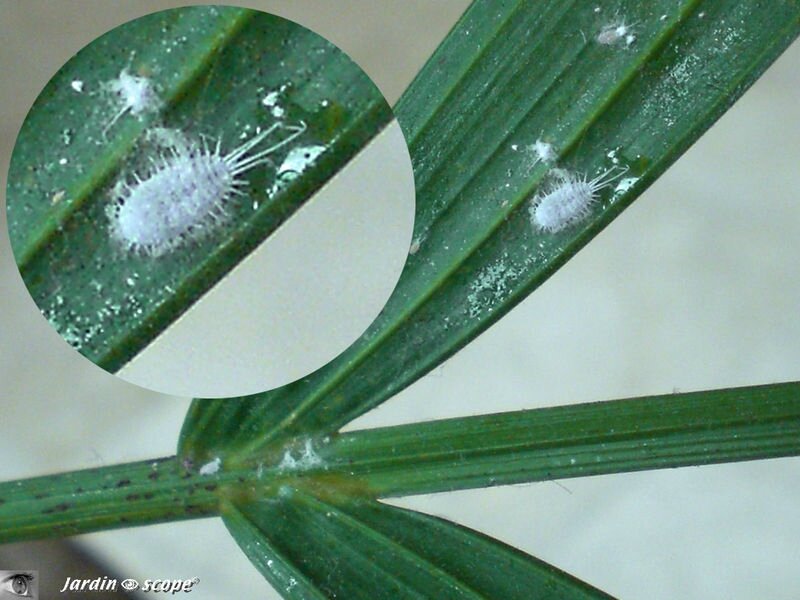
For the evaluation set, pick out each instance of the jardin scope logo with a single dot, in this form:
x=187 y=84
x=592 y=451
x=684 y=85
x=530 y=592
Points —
x=106 y=584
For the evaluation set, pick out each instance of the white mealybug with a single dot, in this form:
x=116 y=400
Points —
x=544 y=151
x=569 y=200
x=614 y=32
x=186 y=191
x=136 y=95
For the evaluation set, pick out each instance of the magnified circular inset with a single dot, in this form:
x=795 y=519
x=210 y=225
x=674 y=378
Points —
x=210 y=201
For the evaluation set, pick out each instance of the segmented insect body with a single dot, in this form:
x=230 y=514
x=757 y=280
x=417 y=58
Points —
x=186 y=192
x=569 y=200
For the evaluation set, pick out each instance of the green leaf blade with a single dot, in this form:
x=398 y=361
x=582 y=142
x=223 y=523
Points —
x=320 y=548
x=476 y=253
x=617 y=436
x=124 y=495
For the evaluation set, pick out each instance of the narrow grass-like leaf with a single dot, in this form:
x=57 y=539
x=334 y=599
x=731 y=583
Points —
x=123 y=495
x=653 y=432
x=309 y=547
x=212 y=68
x=509 y=74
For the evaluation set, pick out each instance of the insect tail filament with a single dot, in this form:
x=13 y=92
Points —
x=240 y=166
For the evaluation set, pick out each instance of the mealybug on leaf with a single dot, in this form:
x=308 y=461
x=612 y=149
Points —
x=569 y=200
x=186 y=191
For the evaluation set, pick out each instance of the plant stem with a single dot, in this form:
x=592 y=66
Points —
x=617 y=436
x=124 y=495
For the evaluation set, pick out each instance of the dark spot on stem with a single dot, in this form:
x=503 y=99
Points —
x=132 y=497
x=123 y=482
x=195 y=509
x=57 y=508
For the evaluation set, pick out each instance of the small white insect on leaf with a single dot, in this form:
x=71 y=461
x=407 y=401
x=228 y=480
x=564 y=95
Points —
x=544 y=151
x=185 y=193
x=136 y=95
x=569 y=200
x=615 y=32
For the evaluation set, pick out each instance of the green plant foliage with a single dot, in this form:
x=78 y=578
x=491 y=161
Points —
x=300 y=498
x=511 y=75
x=508 y=74
x=211 y=68
x=311 y=547
x=104 y=498
x=579 y=440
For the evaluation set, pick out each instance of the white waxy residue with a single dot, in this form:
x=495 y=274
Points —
x=211 y=467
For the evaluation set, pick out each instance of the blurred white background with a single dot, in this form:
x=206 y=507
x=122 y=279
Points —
x=695 y=286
